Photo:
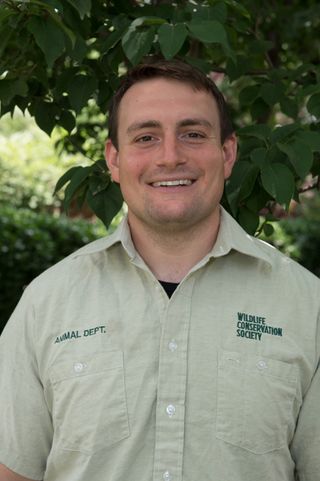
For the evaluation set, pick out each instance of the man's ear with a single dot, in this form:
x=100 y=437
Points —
x=230 y=154
x=112 y=159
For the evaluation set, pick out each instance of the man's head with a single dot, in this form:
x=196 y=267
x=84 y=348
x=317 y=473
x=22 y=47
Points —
x=174 y=70
x=171 y=147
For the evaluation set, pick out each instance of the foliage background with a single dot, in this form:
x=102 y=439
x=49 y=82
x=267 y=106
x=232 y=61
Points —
x=30 y=243
x=61 y=61
x=29 y=165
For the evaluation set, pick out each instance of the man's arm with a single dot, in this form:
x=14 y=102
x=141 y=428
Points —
x=8 y=475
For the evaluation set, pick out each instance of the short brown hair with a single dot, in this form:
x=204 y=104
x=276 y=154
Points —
x=169 y=69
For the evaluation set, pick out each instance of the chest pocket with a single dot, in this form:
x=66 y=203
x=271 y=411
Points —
x=89 y=402
x=255 y=401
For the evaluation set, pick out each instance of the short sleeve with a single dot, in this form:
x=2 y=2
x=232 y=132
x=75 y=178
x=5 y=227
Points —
x=305 y=447
x=25 y=422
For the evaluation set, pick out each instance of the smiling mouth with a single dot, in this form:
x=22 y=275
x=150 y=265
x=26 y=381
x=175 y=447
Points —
x=172 y=183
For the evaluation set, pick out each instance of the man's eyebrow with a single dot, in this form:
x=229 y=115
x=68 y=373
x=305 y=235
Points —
x=194 y=121
x=188 y=122
x=146 y=124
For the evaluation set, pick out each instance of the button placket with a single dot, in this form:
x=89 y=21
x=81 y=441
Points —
x=172 y=379
x=171 y=410
x=172 y=345
x=167 y=476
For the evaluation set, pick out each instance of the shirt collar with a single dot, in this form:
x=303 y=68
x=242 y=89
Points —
x=120 y=235
x=231 y=236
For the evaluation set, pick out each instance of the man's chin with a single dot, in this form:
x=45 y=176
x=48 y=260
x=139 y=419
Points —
x=173 y=222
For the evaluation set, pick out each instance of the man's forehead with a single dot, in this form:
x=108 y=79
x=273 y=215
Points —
x=146 y=88
x=156 y=124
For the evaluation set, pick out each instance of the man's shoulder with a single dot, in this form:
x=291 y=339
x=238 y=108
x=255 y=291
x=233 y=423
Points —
x=75 y=264
x=233 y=236
x=283 y=265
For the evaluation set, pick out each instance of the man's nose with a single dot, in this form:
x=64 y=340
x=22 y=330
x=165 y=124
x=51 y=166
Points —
x=171 y=153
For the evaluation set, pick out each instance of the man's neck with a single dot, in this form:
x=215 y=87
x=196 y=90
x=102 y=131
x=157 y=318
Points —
x=170 y=254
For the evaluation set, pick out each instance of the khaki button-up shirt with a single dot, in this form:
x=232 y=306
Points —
x=103 y=378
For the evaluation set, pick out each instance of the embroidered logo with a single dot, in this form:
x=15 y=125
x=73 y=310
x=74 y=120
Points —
x=68 y=335
x=253 y=327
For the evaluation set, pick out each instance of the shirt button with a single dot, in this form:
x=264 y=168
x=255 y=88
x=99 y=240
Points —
x=173 y=345
x=262 y=364
x=171 y=410
x=78 y=367
x=167 y=476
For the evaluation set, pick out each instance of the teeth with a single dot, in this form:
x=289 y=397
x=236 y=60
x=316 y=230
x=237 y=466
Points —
x=169 y=183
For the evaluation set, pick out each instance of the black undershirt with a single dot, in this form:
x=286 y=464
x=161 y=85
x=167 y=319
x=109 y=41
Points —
x=169 y=287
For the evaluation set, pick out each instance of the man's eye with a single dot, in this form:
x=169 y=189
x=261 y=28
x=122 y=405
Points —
x=145 y=138
x=195 y=137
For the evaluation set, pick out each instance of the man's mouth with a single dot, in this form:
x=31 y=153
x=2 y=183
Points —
x=172 y=183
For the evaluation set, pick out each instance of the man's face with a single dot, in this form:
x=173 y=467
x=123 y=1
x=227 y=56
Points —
x=170 y=163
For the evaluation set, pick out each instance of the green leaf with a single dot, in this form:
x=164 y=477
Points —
x=113 y=38
x=258 y=156
x=259 y=109
x=80 y=90
x=55 y=4
x=309 y=90
x=48 y=36
x=11 y=88
x=248 y=144
x=66 y=177
x=258 y=199
x=310 y=138
x=300 y=156
x=67 y=120
x=64 y=80
x=147 y=21
x=77 y=180
x=248 y=182
x=171 y=39
x=236 y=67
x=249 y=94
x=233 y=185
x=248 y=220
x=268 y=229
x=45 y=115
x=239 y=8
x=278 y=181
x=313 y=105
x=209 y=31
x=283 y=132
x=205 y=12
x=104 y=94
x=6 y=33
x=199 y=63
x=79 y=49
x=289 y=107
x=106 y=203
x=136 y=44
x=99 y=182
x=261 y=131
x=271 y=93
x=70 y=34
x=83 y=7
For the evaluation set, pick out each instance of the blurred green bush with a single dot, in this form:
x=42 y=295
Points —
x=30 y=166
x=31 y=242
x=298 y=236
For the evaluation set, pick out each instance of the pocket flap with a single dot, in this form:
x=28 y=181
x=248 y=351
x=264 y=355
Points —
x=83 y=365
x=258 y=364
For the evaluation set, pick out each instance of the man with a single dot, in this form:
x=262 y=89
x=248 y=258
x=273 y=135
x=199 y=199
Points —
x=179 y=348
